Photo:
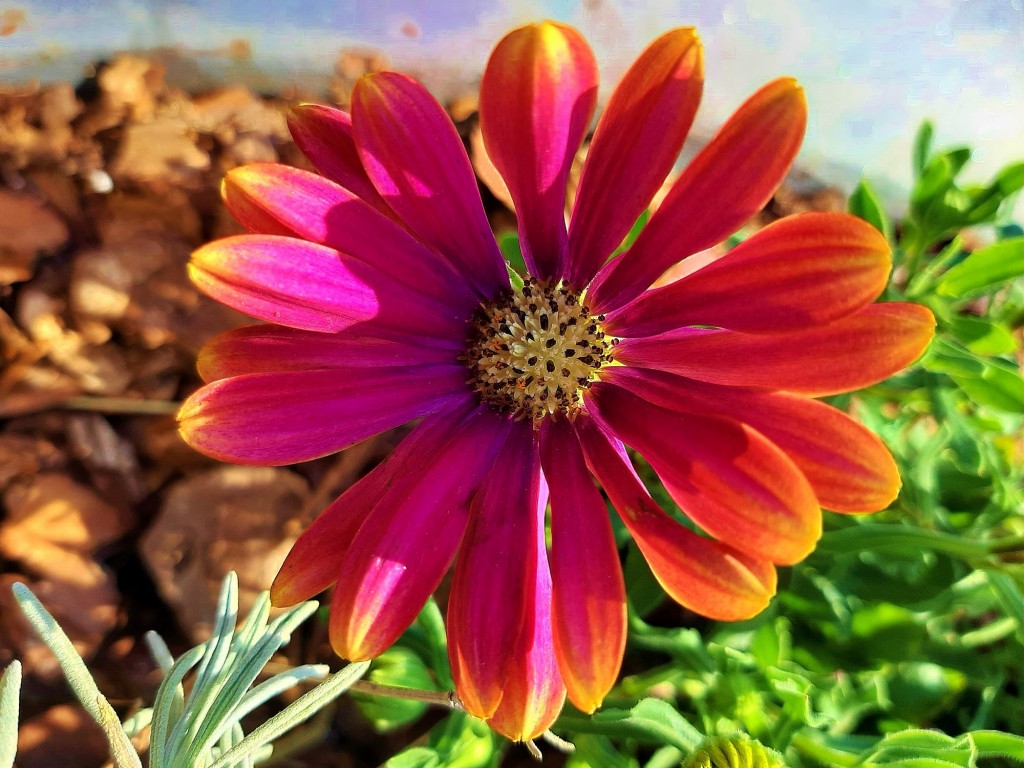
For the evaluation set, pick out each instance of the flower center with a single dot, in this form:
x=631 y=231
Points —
x=533 y=352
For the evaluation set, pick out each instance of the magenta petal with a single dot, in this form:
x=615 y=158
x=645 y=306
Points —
x=728 y=478
x=282 y=418
x=536 y=99
x=313 y=562
x=589 y=605
x=533 y=694
x=414 y=156
x=324 y=134
x=302 y=285
x=278 y=199
x=270 y=348
x=401 y=553
x=493 y=586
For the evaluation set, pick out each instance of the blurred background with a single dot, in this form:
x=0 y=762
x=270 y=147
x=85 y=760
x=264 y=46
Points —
x=873 y=69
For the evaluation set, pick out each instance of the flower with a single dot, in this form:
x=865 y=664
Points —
x=389 y=302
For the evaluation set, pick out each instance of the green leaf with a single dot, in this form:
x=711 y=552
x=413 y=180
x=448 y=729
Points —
x=935 y=180
x=998 y=744
x=997 y=388
x=398 y=666
x=864 y=203
x=464 y=741
x=508 y=244
x=634 y=232
x=987 y=267
x=1010 y=597
x=988 y=201
x=957 y=159
x=768 y=645
x=982 y=336
x=921 y=690
x=923 y=146
x=1010 y=179
x=993 y=383
x=651 y=721
x=643 y=590
x=594 y=750
x=417 y=757
x=10 y=688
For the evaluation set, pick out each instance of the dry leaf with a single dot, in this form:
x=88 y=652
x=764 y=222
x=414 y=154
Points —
x=28 y=229
x=164 y=150
x=63 y=736
x=229 y=518
x=127 y=217
x=50 y=516
x=52 y=528
x=99 y=369
x=25 y=455
x=109 y=457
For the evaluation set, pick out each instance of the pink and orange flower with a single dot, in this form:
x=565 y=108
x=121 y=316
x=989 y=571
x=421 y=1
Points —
x=388 y=301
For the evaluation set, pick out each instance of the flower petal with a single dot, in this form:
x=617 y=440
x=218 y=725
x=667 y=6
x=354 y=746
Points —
x=417 y=162
x=706 y=576
x=324 y=134
x=282 y=418
x=728 y=478
x=533 y=693
x=281 y=200
x=848 y=354
x=401 y=553
x=589 y=604
x=635 y=145
x=302 y=285
x=536 y=99
x=492 y=596
x=798 y=272
x=847 y=465
x=729 y=181
x=269 y=348
x=313 y=563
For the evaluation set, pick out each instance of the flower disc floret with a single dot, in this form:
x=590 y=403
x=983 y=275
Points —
x=533 y=352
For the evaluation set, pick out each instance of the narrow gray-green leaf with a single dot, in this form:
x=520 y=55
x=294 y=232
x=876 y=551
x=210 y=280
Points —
x=10 y=689
x=294 y=714
x=75 y=671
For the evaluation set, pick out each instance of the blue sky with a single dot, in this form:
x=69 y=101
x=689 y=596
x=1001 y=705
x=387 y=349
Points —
x=872 y=68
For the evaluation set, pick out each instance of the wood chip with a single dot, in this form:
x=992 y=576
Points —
x=230 y=518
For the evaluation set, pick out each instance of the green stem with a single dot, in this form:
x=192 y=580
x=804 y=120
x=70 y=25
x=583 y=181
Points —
x=125 y=405
x=879 y=536
x=446 y=699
